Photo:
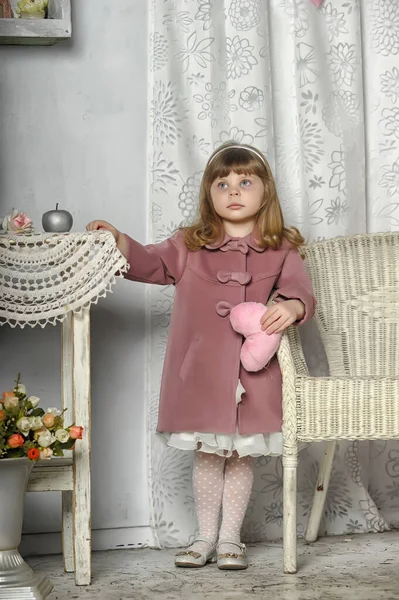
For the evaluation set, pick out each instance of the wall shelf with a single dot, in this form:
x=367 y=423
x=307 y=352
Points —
x=39 y=32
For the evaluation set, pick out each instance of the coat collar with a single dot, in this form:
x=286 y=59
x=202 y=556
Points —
x=240 y=243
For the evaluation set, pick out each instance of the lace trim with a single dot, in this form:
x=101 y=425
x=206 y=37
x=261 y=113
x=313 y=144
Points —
x=45 y=276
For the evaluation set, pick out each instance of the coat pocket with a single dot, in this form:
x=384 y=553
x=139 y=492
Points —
x=189 y=360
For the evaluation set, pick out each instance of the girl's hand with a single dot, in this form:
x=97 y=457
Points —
x=120 y=238
x=95 y=225
x=279 y=316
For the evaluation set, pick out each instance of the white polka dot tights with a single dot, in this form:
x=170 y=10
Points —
x=221 y=482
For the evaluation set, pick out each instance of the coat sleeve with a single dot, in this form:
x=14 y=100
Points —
x=294 y=283
x=162 y=264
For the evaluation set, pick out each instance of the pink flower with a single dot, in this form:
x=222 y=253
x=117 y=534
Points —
x=15 y=441
x=48 y=420
x=17 y=222
x=46 y=454
x=9 y=400
x=76 y=432
x=39 y=432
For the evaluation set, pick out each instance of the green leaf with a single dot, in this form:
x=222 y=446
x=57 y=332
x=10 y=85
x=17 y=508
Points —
x=38 y=412
x=68 y=445
x=15 y=453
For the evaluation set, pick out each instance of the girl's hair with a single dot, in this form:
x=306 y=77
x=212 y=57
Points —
x=243 y=160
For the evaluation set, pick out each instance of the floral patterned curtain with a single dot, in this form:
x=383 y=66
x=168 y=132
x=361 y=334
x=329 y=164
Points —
x=317 y=90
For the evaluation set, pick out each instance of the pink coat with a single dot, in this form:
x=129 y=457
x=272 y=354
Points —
x=202 y=364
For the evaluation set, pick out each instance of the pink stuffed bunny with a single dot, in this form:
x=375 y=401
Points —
x=259 y=347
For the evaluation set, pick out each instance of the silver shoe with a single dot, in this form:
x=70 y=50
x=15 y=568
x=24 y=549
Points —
x=232 y=560
x=190 y=558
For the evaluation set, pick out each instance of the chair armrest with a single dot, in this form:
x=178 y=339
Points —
x=290 y=353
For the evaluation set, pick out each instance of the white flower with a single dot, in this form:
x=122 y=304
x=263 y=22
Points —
x=390 y=179
x=234 y=134
x=165 y=114
x=216 y=104
x=297 y=11
x=390 y=121
x=46 y=439
x=159 y=46
x=20 y=388
x=204 y=13
x=244 y=14
x=305 y=63
x=384 y=29
x=311 y=144
x=53 y=411
x=342 y=61
x=24 y=425
x=341 y=112
x=337 y=165
x=240 y=58
x=62 y=435
x=390 y=84
x=335 y=21
x=197 y=51
x=188 y=197
x=34 y=400
x=177 y=20
x=251 y=98
x=36 y=423
x=336 y=213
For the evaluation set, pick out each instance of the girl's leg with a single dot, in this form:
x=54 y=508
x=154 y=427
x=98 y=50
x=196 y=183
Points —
x=238 y=480
x=208 y=489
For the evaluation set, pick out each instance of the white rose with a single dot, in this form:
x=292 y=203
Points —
x=62 y=435
x=46 y=439
x=24 y=425
x=20 y=388
x=35 y=423
x=53 y=411
x=34 y=400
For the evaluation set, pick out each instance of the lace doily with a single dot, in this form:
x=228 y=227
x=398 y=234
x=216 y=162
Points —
x=45 y=276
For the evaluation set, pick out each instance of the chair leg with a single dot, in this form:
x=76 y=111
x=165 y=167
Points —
x=82 y=483
x=319 y=499
x=289 y=511
x=67 y=532
x=82 y=534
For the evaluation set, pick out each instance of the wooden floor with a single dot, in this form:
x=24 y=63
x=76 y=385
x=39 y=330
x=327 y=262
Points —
x=364 y=567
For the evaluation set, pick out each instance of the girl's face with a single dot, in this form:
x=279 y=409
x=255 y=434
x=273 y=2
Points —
x=237 y=198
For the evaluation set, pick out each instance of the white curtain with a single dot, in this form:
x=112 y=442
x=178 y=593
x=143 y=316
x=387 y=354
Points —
x=317 y=90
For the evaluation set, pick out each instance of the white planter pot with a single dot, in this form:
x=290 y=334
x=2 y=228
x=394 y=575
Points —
x=17 y=580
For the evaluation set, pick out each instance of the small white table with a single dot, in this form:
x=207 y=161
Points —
x=46 y=279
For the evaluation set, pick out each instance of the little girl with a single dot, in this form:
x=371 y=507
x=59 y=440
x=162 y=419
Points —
x=238 y=250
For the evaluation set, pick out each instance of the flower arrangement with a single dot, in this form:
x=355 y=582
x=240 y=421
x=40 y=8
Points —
x=28 y=430
x=17 y=222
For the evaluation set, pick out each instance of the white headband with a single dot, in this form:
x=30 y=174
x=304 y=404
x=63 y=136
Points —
x=239 y=147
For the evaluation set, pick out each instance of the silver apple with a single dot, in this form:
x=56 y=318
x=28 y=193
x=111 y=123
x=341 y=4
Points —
x=57 y=221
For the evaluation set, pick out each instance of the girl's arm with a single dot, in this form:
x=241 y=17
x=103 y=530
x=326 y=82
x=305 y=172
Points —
x=162 y=264
x=294 y=284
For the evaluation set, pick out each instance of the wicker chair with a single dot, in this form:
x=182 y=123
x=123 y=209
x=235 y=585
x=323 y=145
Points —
x=356 y=283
